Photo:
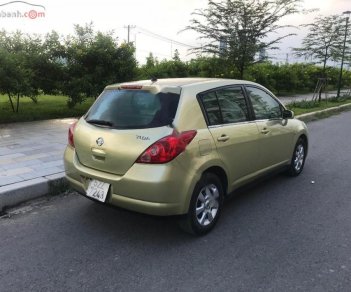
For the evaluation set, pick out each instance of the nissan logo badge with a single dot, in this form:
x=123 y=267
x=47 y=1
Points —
x=99 y=141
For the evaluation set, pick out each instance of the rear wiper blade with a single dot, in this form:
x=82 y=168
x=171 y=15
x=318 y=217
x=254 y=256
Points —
x=100 y=122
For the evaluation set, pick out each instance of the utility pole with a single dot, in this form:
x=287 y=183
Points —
x=343 y=52
x=129 y=28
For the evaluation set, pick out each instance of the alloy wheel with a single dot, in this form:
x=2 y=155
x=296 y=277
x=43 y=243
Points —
x=207 y=204
x=299 y=157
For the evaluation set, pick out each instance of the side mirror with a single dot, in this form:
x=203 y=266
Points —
x=288 y=114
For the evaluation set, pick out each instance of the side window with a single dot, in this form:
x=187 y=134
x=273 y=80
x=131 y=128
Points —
x=225 y=106
x=233 y=105
x=264 y=105
x=210 y=103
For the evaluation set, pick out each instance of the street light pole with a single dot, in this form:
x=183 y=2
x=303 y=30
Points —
x=343 y=53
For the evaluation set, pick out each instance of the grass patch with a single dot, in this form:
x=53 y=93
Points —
x=48 y=107
x=289 y=93
x=308 y=106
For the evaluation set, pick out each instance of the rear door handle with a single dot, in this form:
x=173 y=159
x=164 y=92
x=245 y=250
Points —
x=265 y=131
x=223 y=138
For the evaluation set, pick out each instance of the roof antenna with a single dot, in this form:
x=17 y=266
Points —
x=153 y=78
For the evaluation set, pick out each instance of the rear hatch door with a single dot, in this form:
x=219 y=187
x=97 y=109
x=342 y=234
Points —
x=121 y=125
x=111 y=150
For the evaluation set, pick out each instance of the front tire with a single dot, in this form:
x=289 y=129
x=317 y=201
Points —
x=298 y=158
x=205 y=205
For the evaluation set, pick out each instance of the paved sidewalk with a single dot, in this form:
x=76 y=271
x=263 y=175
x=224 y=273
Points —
x=306 y=96
x=31 y=154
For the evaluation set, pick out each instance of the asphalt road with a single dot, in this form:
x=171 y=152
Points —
x=283 y=234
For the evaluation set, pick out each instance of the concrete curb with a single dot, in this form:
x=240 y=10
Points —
x=17 y=193
x=324 y=113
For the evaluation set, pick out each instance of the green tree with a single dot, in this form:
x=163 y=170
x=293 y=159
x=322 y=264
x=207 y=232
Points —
x=236 y=30
x=164 y=69
x=324 y=39
x=15 y=79
x=93 y=60
x=151 y=61
x=323 y=42
x=17 y=74
x=51 y=64
x=211 y=67
x=176 y=56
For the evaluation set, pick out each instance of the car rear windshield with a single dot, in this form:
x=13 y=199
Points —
x=133 y=109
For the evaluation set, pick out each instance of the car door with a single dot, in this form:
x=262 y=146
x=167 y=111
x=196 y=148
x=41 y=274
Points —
x=276 y=136
x=233 y=131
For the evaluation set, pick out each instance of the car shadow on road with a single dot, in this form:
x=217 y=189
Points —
x=119 y=222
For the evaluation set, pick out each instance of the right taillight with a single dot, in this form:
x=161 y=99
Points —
x=70 y=134
x=167 y=148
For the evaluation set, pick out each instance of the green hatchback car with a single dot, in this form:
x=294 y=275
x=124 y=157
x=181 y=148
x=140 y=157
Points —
x=179 y=146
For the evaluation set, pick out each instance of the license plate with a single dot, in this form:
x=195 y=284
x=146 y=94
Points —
x=97 y=190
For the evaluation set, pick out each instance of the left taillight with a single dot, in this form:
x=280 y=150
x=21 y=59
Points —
x=70 y=134
x=167 y=148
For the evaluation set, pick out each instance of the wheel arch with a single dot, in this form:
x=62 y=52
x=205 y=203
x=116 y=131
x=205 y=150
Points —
x=305 y=139
x=221 y=174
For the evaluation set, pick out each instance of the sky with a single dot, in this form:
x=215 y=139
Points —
x=155 y=25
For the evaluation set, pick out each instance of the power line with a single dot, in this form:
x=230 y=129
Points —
x=163 y=38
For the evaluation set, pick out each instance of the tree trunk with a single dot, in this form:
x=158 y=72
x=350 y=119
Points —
x=241 y=72
x=18 y=96
x=242 y=69
x=243 y=61
x=13 y=108
x=323 y=84
x=320 y=92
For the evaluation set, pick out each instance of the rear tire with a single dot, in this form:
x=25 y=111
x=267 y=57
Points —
x=298 y=159
x=205 y=206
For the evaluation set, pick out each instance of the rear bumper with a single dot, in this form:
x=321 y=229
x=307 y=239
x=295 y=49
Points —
x=162 y=189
